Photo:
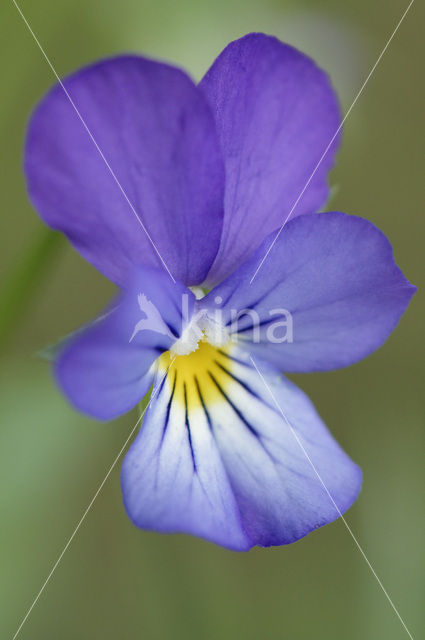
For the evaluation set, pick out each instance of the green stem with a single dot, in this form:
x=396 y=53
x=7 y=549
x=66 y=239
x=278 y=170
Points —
x=23 y=279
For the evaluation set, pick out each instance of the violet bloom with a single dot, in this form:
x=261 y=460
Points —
x=230 y=450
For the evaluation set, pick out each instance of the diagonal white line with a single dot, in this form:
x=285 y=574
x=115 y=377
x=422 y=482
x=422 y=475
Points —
x=332 y=139
x=83 y=122
x=294 y=433
x=83 y=517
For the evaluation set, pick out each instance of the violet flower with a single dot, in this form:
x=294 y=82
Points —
x=212 y=171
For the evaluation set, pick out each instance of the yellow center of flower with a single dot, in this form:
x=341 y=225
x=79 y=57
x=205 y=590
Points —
x=200 y=378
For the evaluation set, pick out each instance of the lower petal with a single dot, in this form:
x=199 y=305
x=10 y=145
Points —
x=173 y=479
x=234 y=454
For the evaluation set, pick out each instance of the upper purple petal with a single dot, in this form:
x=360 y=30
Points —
x=332 y=278
x=275 y=113
x=156 y=132
x=105 y=369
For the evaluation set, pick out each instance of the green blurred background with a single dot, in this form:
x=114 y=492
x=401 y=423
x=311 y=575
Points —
x=116 y=581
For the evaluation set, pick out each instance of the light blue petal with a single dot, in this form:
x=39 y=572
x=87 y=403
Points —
x=332 y=278
x=231 y=468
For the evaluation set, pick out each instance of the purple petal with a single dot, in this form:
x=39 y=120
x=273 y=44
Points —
x=233 y=469
x=106 y=369
x=276 y=113
x=330 y=280
x=155 y=130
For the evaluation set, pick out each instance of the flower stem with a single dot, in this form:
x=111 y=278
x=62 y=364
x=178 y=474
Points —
x=23 y=278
